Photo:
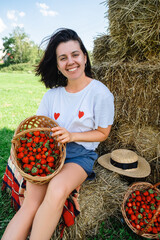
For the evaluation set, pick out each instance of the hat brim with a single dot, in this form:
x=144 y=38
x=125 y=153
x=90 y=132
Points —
x=143 y=169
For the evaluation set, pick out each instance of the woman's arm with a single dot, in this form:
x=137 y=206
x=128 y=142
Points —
x=97 y=135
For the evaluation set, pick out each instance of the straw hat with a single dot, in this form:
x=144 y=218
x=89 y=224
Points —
x=125 y=162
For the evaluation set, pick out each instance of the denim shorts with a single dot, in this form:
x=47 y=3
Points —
x=76 y=153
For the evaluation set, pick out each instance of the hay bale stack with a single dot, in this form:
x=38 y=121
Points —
x=134 y=29
x=136 y=88
x=98 y=200
x=101 y=49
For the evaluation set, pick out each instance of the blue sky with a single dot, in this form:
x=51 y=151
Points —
x=41 y=18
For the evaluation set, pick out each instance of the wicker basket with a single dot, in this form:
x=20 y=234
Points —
x=31 y=124
x=141 y=186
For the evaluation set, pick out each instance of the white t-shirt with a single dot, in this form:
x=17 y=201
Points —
x=83 y=111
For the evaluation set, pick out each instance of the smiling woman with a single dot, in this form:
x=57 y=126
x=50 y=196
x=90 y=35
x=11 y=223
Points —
x=84 y=110
x=71 y=63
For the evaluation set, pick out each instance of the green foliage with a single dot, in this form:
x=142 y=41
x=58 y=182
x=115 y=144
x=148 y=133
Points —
x=115 y=229
x=21 y=67
x=20 y=49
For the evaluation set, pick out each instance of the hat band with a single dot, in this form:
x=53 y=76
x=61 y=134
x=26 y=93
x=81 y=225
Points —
x=124 y=165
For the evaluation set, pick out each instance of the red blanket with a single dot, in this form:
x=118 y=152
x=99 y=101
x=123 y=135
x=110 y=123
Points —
x=15 y=182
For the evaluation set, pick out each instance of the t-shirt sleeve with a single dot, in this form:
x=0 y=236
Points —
x=43 y=108
x=104 y=110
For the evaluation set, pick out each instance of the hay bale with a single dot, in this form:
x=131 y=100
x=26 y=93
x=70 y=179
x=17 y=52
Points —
x=98 y=200
x=147 y=142
x=101 y=49
x=134 y=29
x=136 y=88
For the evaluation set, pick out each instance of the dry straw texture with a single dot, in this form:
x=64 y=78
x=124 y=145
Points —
x=136 y=88
x=98 y=200
x=134 y=29
x=101 y=49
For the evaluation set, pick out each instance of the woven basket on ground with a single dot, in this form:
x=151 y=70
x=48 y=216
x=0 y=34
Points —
x=31 y=124
x=141 y=186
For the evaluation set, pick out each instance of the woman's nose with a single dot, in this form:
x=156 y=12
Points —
x=70 y=60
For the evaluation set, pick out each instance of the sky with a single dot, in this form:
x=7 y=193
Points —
x=40 y=19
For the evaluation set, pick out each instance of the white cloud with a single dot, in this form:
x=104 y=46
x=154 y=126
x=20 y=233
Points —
x=48 y=13
x=2 y=26
x=22 y=14
x=45 y=10
x=42 y=6
x=11 y=14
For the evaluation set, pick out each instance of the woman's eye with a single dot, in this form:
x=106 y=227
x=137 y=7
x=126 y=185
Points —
x=75 y=55
x=62 y=59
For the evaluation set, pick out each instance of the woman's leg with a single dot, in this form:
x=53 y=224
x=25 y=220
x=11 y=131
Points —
x=19 y=226
x=49 y=213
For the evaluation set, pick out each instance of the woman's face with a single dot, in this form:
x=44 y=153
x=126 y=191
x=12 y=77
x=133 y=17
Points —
x=71 y=60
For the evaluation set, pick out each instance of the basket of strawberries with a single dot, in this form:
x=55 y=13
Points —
x=36 y=154
x=141 y=209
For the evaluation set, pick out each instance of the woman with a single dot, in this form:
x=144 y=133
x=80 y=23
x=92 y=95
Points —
x=84 y=109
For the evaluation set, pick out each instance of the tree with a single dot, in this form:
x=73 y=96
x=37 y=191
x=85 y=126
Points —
x=19 y=48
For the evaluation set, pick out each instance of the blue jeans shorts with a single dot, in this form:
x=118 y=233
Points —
x=76 y=153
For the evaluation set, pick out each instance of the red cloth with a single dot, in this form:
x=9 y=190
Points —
x=15 y=182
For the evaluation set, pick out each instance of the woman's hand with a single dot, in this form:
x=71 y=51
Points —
x=63 y=136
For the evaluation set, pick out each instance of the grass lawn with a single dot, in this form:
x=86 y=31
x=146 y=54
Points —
x=20 y=95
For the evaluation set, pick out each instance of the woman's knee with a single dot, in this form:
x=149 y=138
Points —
x=34 y=197
x=56 y=194
x=31 y=205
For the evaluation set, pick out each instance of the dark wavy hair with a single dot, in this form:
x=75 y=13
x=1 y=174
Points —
x=47 y=67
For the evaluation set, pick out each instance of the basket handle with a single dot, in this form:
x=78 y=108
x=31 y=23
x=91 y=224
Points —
x=156 y=185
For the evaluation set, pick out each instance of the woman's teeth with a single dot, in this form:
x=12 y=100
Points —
x=73 y=69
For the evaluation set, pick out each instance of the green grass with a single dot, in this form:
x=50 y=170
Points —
x=21 y=94
x=115 y=229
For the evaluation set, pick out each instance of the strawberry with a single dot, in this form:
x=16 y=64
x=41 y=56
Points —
x=32 y=163
x=51 y=164
x=20 y=149
x=38 y=156
x=38 y=165
x=29 y=144
x=25 y=160
x=27 y=167
x=36 y=133
x=49 y=169
x=36 y=140
x=32 y=159
x=29 y=134
x=50 y=159
x=34 y=171
x=20 y=155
